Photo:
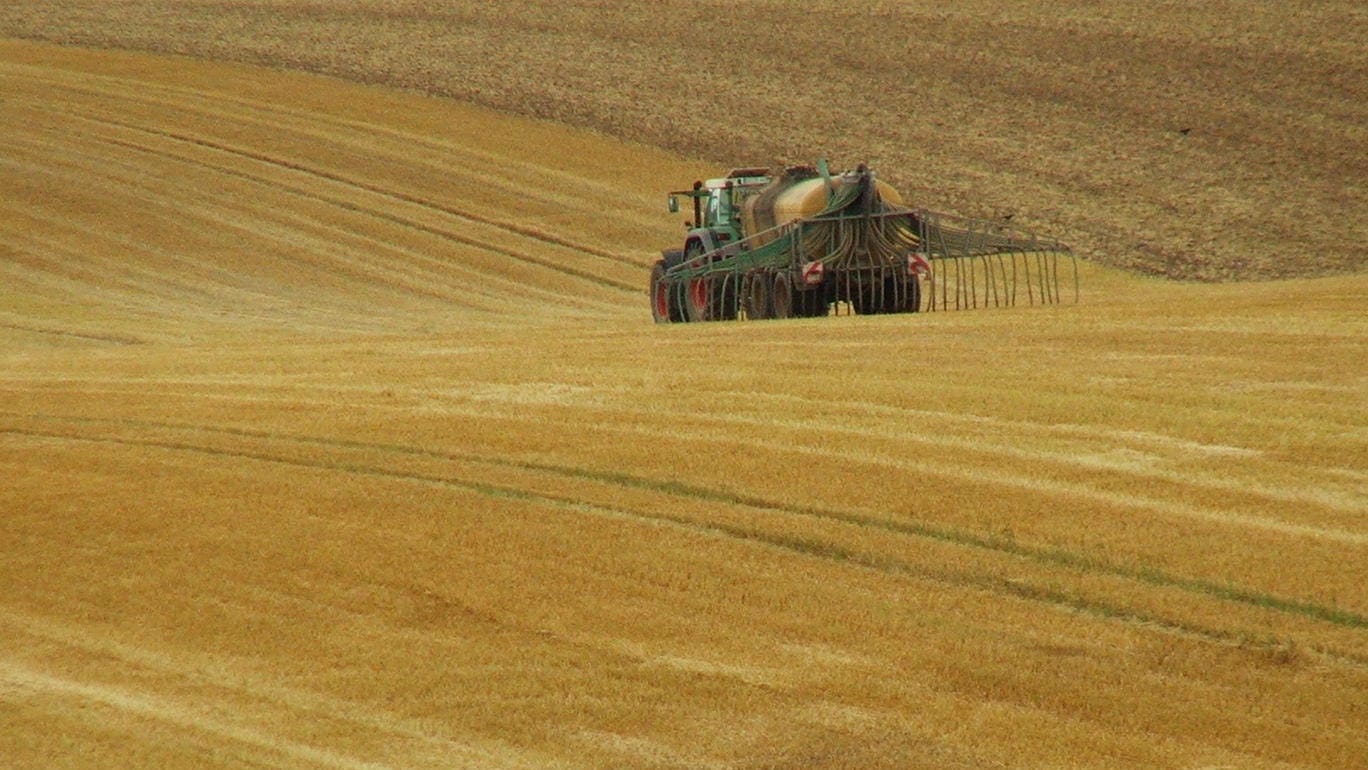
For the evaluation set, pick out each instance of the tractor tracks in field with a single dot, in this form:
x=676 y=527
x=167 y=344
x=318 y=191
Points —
x=388 y=200
x=115 y=339
x=380 y=212
x=218 y=683
x=339 y=252
x=266 y=446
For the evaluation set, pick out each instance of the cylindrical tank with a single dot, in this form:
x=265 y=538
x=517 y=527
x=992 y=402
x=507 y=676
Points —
x=797 y=194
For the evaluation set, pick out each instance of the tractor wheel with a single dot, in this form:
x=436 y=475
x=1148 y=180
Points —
x=698 y=299
x=662 y=309
x=694 y=292
x=758 y=294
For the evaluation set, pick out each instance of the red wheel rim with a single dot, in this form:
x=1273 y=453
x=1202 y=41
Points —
x=662 y=300
x=698 y=294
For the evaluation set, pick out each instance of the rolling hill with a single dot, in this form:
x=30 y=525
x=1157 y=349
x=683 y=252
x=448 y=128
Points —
x=335 y=434
x=1212 y=141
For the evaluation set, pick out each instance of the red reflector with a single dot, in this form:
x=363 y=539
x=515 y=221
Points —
x=917 y=264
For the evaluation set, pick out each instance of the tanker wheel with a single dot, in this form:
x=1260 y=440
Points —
x=679 y=301
x=913 y=303
x=902 y=296
x=781 y=296
x=758 y=305
x=724 y=296
x=867 y=299
x=662 y=309
x=811 y=303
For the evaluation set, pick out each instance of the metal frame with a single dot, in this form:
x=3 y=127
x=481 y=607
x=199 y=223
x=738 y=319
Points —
x=863 y=248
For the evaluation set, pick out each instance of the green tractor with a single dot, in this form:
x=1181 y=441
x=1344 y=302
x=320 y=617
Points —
x=803 y=241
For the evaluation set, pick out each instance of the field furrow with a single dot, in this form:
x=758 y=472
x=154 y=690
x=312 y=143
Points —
x=335 y=433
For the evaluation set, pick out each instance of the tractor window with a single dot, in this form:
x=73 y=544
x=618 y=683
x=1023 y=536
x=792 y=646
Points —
x=738 y=196
x=714 y=208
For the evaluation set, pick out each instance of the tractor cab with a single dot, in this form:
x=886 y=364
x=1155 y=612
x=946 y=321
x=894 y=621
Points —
x=717 y=208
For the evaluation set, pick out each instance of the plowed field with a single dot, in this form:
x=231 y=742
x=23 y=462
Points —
x=334 y=432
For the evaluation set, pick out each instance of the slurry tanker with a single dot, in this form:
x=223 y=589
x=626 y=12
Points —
x=804 y=241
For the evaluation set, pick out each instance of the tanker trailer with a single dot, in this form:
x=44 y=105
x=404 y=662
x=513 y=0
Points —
x=802 y=241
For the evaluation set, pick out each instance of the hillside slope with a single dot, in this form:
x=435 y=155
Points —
x=335 y=434
x=1214 y=141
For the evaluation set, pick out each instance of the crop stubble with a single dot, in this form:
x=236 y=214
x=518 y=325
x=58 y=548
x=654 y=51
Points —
x=1210 y=141
x=324 y=448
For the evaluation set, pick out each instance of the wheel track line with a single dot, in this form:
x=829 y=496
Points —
x=114 y=338
x=138 y=279
x=363 y=133
x=340 y=179
x=1310 y=495
x=376 y=213
x=355 y=208
x=365 y=270
x=358 y=268
x=1029 y=483
x=167 y=711
x=1048 y=556
x=124 y=277
x=1052 y=597
x=206 y=670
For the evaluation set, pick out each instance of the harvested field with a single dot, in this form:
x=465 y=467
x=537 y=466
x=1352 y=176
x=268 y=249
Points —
x=1211 y=141
x=335 y=434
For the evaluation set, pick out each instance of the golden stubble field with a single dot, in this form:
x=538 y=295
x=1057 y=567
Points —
x=1215 y=141
x=334 y=433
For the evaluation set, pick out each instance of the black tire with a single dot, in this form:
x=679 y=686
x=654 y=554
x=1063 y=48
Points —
x=759 y=290
x=913 y=304
x=662 y=309
x=902 y=296
x=866 y=297
x=781 y=295
x=698 y=299
x=693 y=293
x=725 y=296
x=811 y=303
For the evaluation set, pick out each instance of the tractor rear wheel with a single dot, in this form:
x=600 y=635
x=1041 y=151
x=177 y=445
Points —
x=698 y=299
x=662 y=309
